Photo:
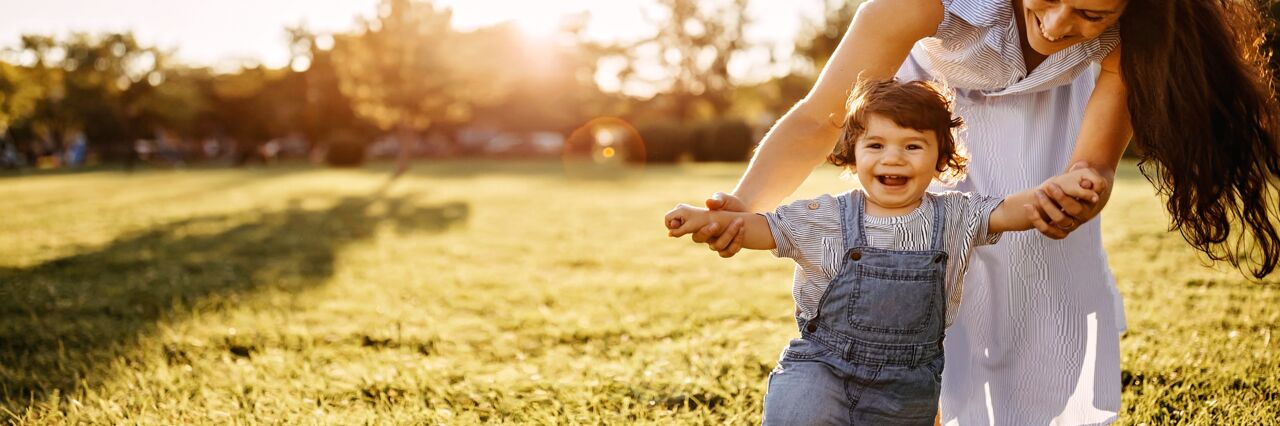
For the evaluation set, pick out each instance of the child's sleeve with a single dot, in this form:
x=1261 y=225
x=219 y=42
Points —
x=808 y=231
x=975 y=214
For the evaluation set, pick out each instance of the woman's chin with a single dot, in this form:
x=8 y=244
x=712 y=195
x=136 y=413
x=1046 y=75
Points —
x=1045 y=47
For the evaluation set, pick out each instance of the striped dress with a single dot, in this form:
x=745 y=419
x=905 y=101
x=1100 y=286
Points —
x=1036 y=339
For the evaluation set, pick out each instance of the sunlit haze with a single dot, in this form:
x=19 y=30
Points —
x=229 y=33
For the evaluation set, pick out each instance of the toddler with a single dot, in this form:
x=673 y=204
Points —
x=879 y=269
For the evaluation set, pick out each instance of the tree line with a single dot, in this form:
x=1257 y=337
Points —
x=407 y=74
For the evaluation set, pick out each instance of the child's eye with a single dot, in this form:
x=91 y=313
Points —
x=914 y=146
x=874 y=145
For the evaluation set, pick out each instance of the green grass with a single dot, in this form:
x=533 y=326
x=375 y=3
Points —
x=492 y=292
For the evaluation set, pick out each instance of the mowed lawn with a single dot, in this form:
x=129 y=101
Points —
x=489 y=292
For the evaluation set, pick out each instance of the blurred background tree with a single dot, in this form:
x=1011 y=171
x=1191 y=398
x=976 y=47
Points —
x=406 y=70
x=408 y=79
x=19 y=93
x=689 y=56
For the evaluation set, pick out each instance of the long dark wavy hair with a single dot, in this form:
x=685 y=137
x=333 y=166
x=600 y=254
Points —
x=1206 y=123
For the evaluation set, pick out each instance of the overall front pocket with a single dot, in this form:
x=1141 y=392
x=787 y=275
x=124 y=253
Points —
x=894 y=300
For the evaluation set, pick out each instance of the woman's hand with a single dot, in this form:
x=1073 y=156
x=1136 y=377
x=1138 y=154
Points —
x=1065 y=202
x=727 y=241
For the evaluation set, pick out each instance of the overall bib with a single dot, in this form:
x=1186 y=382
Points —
x=873 y=353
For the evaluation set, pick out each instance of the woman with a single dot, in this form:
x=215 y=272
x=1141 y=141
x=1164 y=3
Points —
x=1036 y=340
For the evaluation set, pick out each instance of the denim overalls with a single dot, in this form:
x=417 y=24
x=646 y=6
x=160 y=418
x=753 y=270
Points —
x=873 y=353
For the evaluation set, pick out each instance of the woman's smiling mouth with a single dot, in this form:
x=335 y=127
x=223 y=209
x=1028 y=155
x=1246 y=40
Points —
x=1040 y=28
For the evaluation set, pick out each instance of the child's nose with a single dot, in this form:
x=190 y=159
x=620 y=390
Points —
x=893 y=156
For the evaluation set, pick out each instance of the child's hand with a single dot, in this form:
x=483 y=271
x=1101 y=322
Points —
x=1080 y=183
x=685 y=219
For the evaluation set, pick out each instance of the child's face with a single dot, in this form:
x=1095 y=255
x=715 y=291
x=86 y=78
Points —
x=895 y=165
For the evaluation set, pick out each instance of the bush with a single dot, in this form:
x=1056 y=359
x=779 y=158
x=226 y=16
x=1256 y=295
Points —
x=668 y=142
x=723 y=140
x=664 y=142
x=344 y=150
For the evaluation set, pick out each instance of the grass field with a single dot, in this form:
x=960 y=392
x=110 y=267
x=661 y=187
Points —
x=488 y=292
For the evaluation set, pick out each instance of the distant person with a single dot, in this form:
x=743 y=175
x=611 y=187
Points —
x=1044 y=86
x=76 y=151
x=879 y=269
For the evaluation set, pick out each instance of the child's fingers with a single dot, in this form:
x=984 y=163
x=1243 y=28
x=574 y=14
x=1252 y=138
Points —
x=684 y=228
x=1079 y=192
x=675 y=218
x=1090 y=179
x=672 y=226
x=671 y=215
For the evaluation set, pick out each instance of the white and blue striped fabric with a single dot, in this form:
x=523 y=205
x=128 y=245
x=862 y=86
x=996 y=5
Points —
x=1036 y=339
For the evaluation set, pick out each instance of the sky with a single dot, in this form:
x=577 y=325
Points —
x=227 y=33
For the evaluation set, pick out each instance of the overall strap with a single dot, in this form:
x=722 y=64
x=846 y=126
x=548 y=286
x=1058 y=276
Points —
x=851 y=213
x=939 y=221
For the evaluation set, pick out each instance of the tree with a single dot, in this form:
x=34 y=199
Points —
x=326 y=115
x=406 y=70
x=554 y=88
x=692 y=49
x=19 y=95
x=818 y=42
x=86 y=80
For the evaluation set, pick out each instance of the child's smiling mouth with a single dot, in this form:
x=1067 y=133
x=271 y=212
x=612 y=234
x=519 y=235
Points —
x=892 y=180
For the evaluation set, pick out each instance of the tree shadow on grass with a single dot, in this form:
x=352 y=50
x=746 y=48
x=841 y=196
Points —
x=64 y=322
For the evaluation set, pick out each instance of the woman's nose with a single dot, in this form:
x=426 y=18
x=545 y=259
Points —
x=1056 y=23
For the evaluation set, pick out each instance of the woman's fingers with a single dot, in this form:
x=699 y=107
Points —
x=734 y=247
x=717 y=201
x=1056 y=217
x=1071 y=204
x=703 y=235
x=725 y=239
x=726 y=202
x=1044 y=227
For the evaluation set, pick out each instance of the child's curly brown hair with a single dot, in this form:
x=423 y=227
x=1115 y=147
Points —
x=917 y=105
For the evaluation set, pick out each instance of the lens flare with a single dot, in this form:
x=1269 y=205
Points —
x=603 y=145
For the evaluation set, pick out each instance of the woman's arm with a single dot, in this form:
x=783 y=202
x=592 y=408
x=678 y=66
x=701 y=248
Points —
x=875 y=46
x=1104 y=133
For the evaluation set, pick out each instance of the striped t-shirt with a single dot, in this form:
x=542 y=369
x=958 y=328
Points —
x=809 y=232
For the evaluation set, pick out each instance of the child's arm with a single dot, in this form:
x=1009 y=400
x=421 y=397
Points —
x=1017 y=210
x=686 y=219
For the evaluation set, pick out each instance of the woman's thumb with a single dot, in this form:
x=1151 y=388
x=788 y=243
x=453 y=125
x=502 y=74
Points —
x=716 y=202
